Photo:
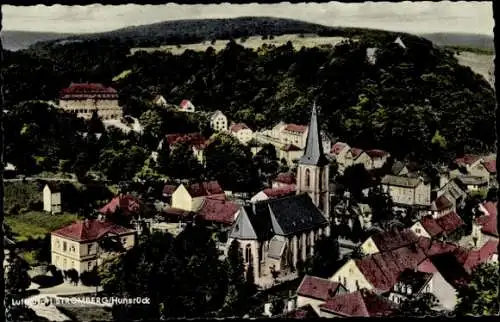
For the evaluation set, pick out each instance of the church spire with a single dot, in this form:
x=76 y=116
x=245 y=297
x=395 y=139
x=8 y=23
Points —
x=313 y=154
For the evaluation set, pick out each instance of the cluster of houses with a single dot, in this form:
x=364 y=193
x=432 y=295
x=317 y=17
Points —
x=278 y=227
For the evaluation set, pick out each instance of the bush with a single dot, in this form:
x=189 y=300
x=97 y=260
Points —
x=46 y=281
x=90 y=278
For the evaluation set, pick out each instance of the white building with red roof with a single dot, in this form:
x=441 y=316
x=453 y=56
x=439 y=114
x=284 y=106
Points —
x=362 y=303
x=443 y=226
x=186 y=106
x=77 y=245
x=85 y=98
x=270 y=193
x=241 y=131
x=315 y=291
x=371 y=159
x=284 y=179
x=190 y=197
x=484 y=228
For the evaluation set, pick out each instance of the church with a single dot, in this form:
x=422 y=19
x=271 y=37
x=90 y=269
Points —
x=276 y=234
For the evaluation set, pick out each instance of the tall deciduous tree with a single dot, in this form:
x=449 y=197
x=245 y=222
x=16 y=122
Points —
x=479 y=297
x=236 y=293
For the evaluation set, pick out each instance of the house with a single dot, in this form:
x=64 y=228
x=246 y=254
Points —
x=473 y=183
x=127 y=204
x=388 y=240
x=484 y=228
x=491 y=167
x=326 y=140
x=441 y=227
x=270 y=193
x=190 y=197
x=410 y=283
x=380 y=272
x=196 y=141
x=52 y=198
x=9 y=171
x=218 y=121
x=83 y=99
x=441 y=206
x=362 y=303
x=186 y=106
x=453 y=192
x=159 y=100
x=218 y=211
x=378 y=158
x=241 y=131
x=400 y=43
x=357 y=156
x=371 y=55
x=339 y=151
x=77 y=245
x=284 y=179
x=406 y=191
x=294 y=134
x=290 y=153
x=275 y=234
x=315 y=291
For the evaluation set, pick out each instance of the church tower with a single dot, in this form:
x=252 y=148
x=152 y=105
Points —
x=313 y=168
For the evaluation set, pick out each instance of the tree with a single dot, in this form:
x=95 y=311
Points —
x=421 y=305
x=355 y=179
x=381 y=205
x=152 y=122
x=251 y=288
x=325 y=259
x=17 y=279
x=277 y=306
x=479 y=297
x=183 y=164
x=163 y=158
x=236 y=295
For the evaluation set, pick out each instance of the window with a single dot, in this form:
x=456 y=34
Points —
x=403 y=289
x=339 y=279
x=408 y=290
x=89 y=266
x=89 y=249
x=308 y=178
x=357 y=285
x=65 y=246
x=248 y=253
x=73 y=264
x=418 y=231
x=345 y=281
x=124 y=240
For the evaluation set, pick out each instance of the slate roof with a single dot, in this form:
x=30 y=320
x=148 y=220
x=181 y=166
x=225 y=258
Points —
x=393 y=239
x=400 y=181
x=361 y=303
x=313 y=153
x=276 y=247
x=397 y=167
x=90 y=230
x=282 y=216
x=318 y=288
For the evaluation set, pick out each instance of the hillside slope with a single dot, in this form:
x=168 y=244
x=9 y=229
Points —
x=18 y=40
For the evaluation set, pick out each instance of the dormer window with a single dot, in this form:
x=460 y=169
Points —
x=408 y=290
x=403 y=289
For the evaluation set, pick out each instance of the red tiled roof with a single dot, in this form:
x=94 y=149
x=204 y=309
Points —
x=89 y=230
x=193 y=139
x=286 y=178
x=359 y=304
x=290 y=147
x=317 y=288
x=372 y=272
x=467 y=159
x=176 y=212
x=443 y=203
x=296 y=128
x=426 y=266
x=389 y=240
x=169 y=189
x=88 y=90
x=491 y=207
x=279 y=192
x=127 y=203
x=450 y=222
x=431 y=226
x=185 y=104
x=356 y=152
x=219 y=211
x=205 y=189
x=489 y=222
x=435 y=247
x=491 y=166
x=236 y=127
x=481 y=255
x=376 y=153
x=337 y=148
x=304 y=312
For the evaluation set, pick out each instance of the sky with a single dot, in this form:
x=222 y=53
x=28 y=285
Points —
x=426 y=17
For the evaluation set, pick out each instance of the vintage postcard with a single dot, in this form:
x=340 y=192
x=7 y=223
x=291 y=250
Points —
x=249 y=161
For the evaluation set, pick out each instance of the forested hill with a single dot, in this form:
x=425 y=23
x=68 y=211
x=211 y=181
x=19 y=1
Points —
x=196 y=30
x=417 y=100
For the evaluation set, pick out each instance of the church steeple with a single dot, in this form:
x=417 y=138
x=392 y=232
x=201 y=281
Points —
x=313 y=171
x=313 y=154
